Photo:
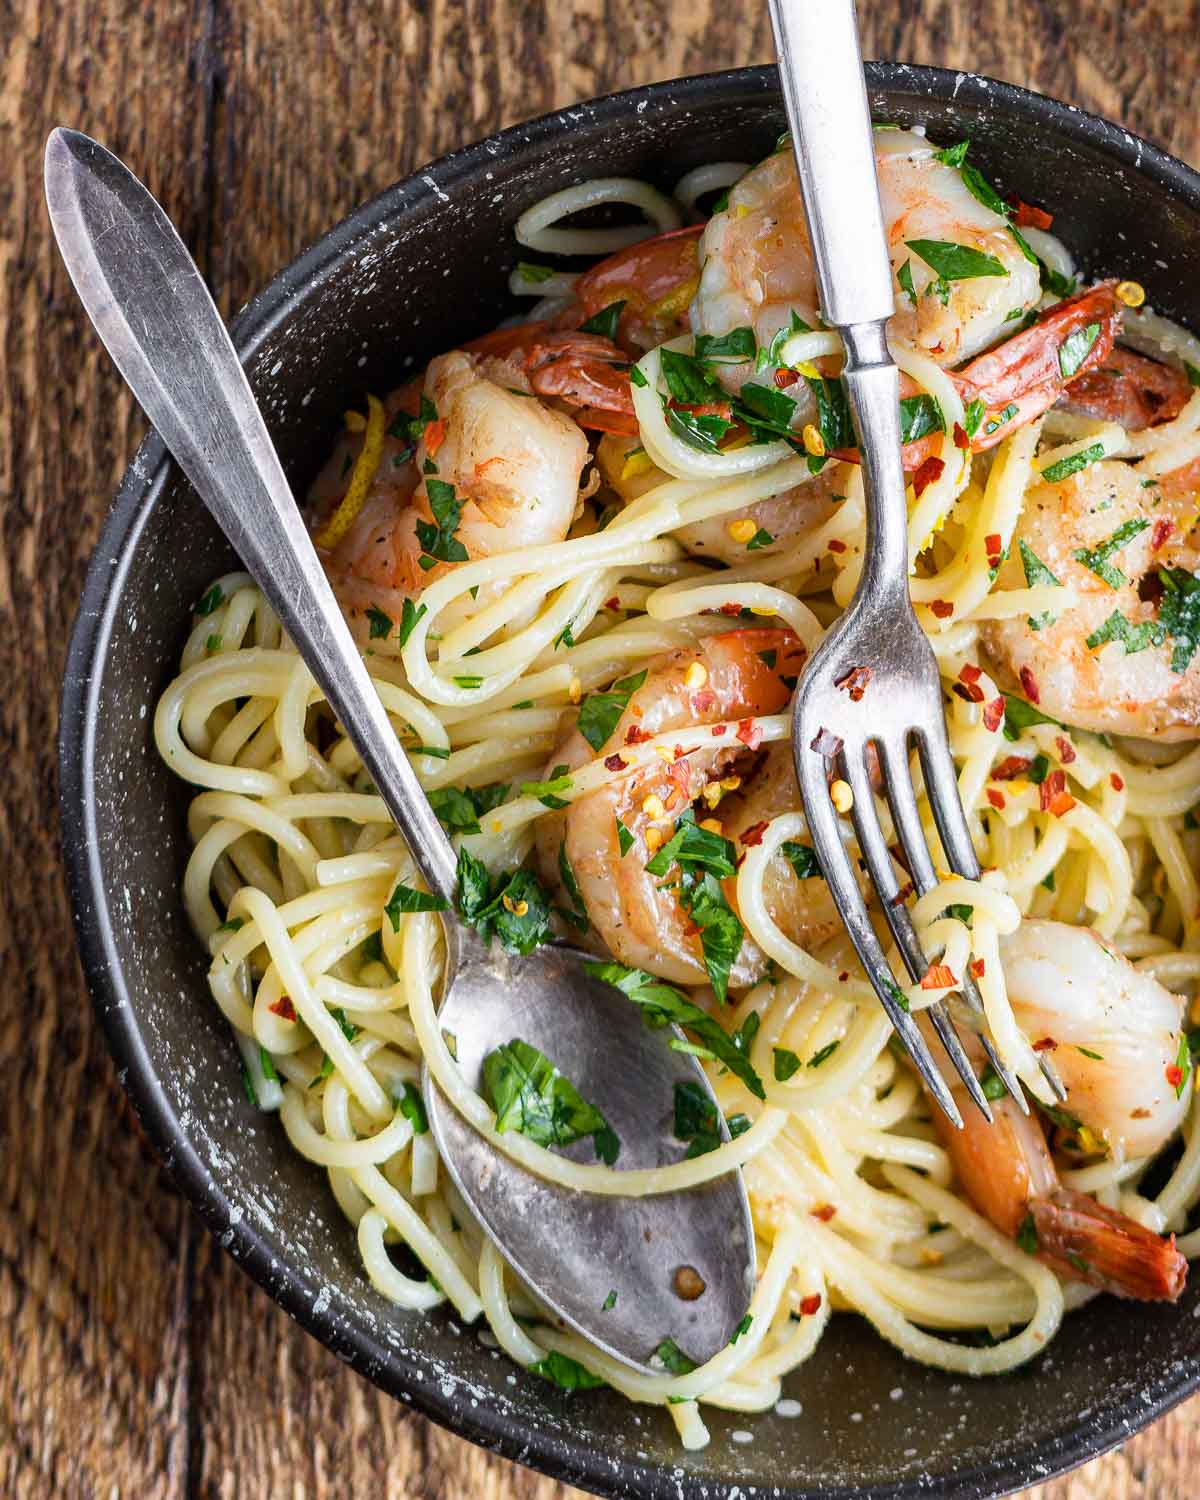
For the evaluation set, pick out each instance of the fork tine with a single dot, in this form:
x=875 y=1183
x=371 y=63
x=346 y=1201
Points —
x=947 y=808
x=823 y=827
x=875 y=852
x=909 y=830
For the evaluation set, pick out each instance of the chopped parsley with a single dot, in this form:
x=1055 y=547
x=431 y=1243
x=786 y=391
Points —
x=1065 y=467
x=211 y=601
x=566 y=1373
x=1096 y=559
x=624 y=838
x=412 y=1107
x=743 y=1327
x=662 y=1004
x=459 y=809
x=822 y=1054
x=772 y=356
x=530 y=272
x=531 y=1096
x=995 y=423
x=953 y=262
x=600 y=712
x=405 y=899
x=437 y=537
x=1019 y=715
x=610 y=1301
x=904 y=277
x=919 y=416
x=1027 y=1235
x=992 y=1084
x=973 y=414
x=1036 y=570
x=674 y=1359
x=408 y=620
x=605 y=321
x=786 y=1063
x=737 y=345
x=802 y=859
x=511 y=906
x=1179 y=613
x=1075 y=348
x=380 y=623
x=577 y=916
x=759 y=540
x=1133 y=637
x=698 y=1122
x=549 y=792
x=693 y=847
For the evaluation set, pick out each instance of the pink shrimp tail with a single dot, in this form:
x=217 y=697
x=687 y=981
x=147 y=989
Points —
x=1081 y=1238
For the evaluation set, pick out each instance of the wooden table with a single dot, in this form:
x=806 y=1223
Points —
x=135 y=1359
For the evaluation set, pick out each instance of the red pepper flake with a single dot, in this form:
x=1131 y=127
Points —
x=1116 y=782
x=938 y=977
x=283 y=1007
x=435 y=436
x=810 y=1305
x=1030 y=683
x=996 y=798
x=1010 y=767
x=902 y=895
x=970 y=672
x=827 y=744
x=969 y=692
x=1045 y=1044
x=1026 y=216
x=824 y=1212
x=1175 y=1076
x=680 y=778
x=731 y=609
x=855 y=682
x=785 y=377
x=961 y=440
x=703 y=699
x=749 y=733
x=1066 y=751
x=993 y=713
x=926 y=475
x=843 y=976
x=754 y=835
x=976 y=968
x=613 y=603
x=718 y=730
x=941 y=609
x=993 y=547
x=1162 y=530
x=1053 y=796
x=615 y=763
x=635 y=735
x=836 y=545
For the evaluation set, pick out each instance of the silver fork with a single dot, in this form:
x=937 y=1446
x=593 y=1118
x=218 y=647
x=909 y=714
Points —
x=840 y=711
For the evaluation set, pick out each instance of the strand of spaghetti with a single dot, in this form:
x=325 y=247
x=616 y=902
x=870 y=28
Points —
x=534 y=229
x=711 y=177
x=404 y=1291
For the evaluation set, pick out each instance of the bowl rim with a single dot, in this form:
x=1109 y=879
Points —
x=141 y=489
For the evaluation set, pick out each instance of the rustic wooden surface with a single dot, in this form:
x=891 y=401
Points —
x=135 y=1359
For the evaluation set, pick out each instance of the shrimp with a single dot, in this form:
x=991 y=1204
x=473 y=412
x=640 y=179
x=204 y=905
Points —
x=514 y=465
x=736 y=675
x=784 y=518
x=757 y=260
x=655 y=279
x=1115 y=1033
x=1130 y=389
x=1107 y=661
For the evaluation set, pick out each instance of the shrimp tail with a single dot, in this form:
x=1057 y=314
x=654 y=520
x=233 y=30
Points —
x=588 y=372
x=1080 y=1238
x=654 y=280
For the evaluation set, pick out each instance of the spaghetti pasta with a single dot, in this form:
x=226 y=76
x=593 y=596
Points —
x=331 y=988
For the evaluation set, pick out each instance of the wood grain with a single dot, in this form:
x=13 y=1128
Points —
x=135 y=1359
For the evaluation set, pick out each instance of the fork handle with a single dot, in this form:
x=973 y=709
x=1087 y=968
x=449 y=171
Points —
x=821 y=69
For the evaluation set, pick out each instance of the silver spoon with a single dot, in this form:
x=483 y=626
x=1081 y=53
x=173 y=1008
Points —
x=622 y=1271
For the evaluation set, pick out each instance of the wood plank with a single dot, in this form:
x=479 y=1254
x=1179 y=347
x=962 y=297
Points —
x=123 y=1370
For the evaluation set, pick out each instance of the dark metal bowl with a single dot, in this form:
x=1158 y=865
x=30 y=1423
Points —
x=419 y=267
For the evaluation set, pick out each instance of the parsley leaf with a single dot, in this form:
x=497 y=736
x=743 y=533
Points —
x=1036 y=570
x=1179 y=613
x=1096 y=559
x=566 y=1373
x=511 y=906
x=605 y=321
x=547 y=792
x=721 y=933
x=624 y=838
x=412 y=1107
x=904 y=277
x=459 y=809
x=1027 y=1235
x=786 y=1063
x=919 y=416
x=437 y=537
x=1065 y=467
x=698 y=1122
x=972 y=416
x=534 y=273
x=693 y=847
x=956 y=262
x=1133 y=637
x=531 y=1096
x=736 y=345
x=600 y=712
x=1075 y=348
x=673 y=1357
x=578 y=917
x=1020 y=715
x=405 y=899
x=380 y=623
x=408 y=620
x=952 y=156
x=662 y=1004
x=802 y=859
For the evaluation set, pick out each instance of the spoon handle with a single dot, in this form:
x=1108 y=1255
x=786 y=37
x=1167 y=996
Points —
x=154 y=313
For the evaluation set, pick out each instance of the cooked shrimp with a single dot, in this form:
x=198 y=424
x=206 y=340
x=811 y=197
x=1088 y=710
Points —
x=733 y=676
x=1128 y=530
x=792 y=513
x=656 y=280
x=514 y=463
x=757 y=263
x=1009 y=1175
x=1130 y=389
x=1115 y=1034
